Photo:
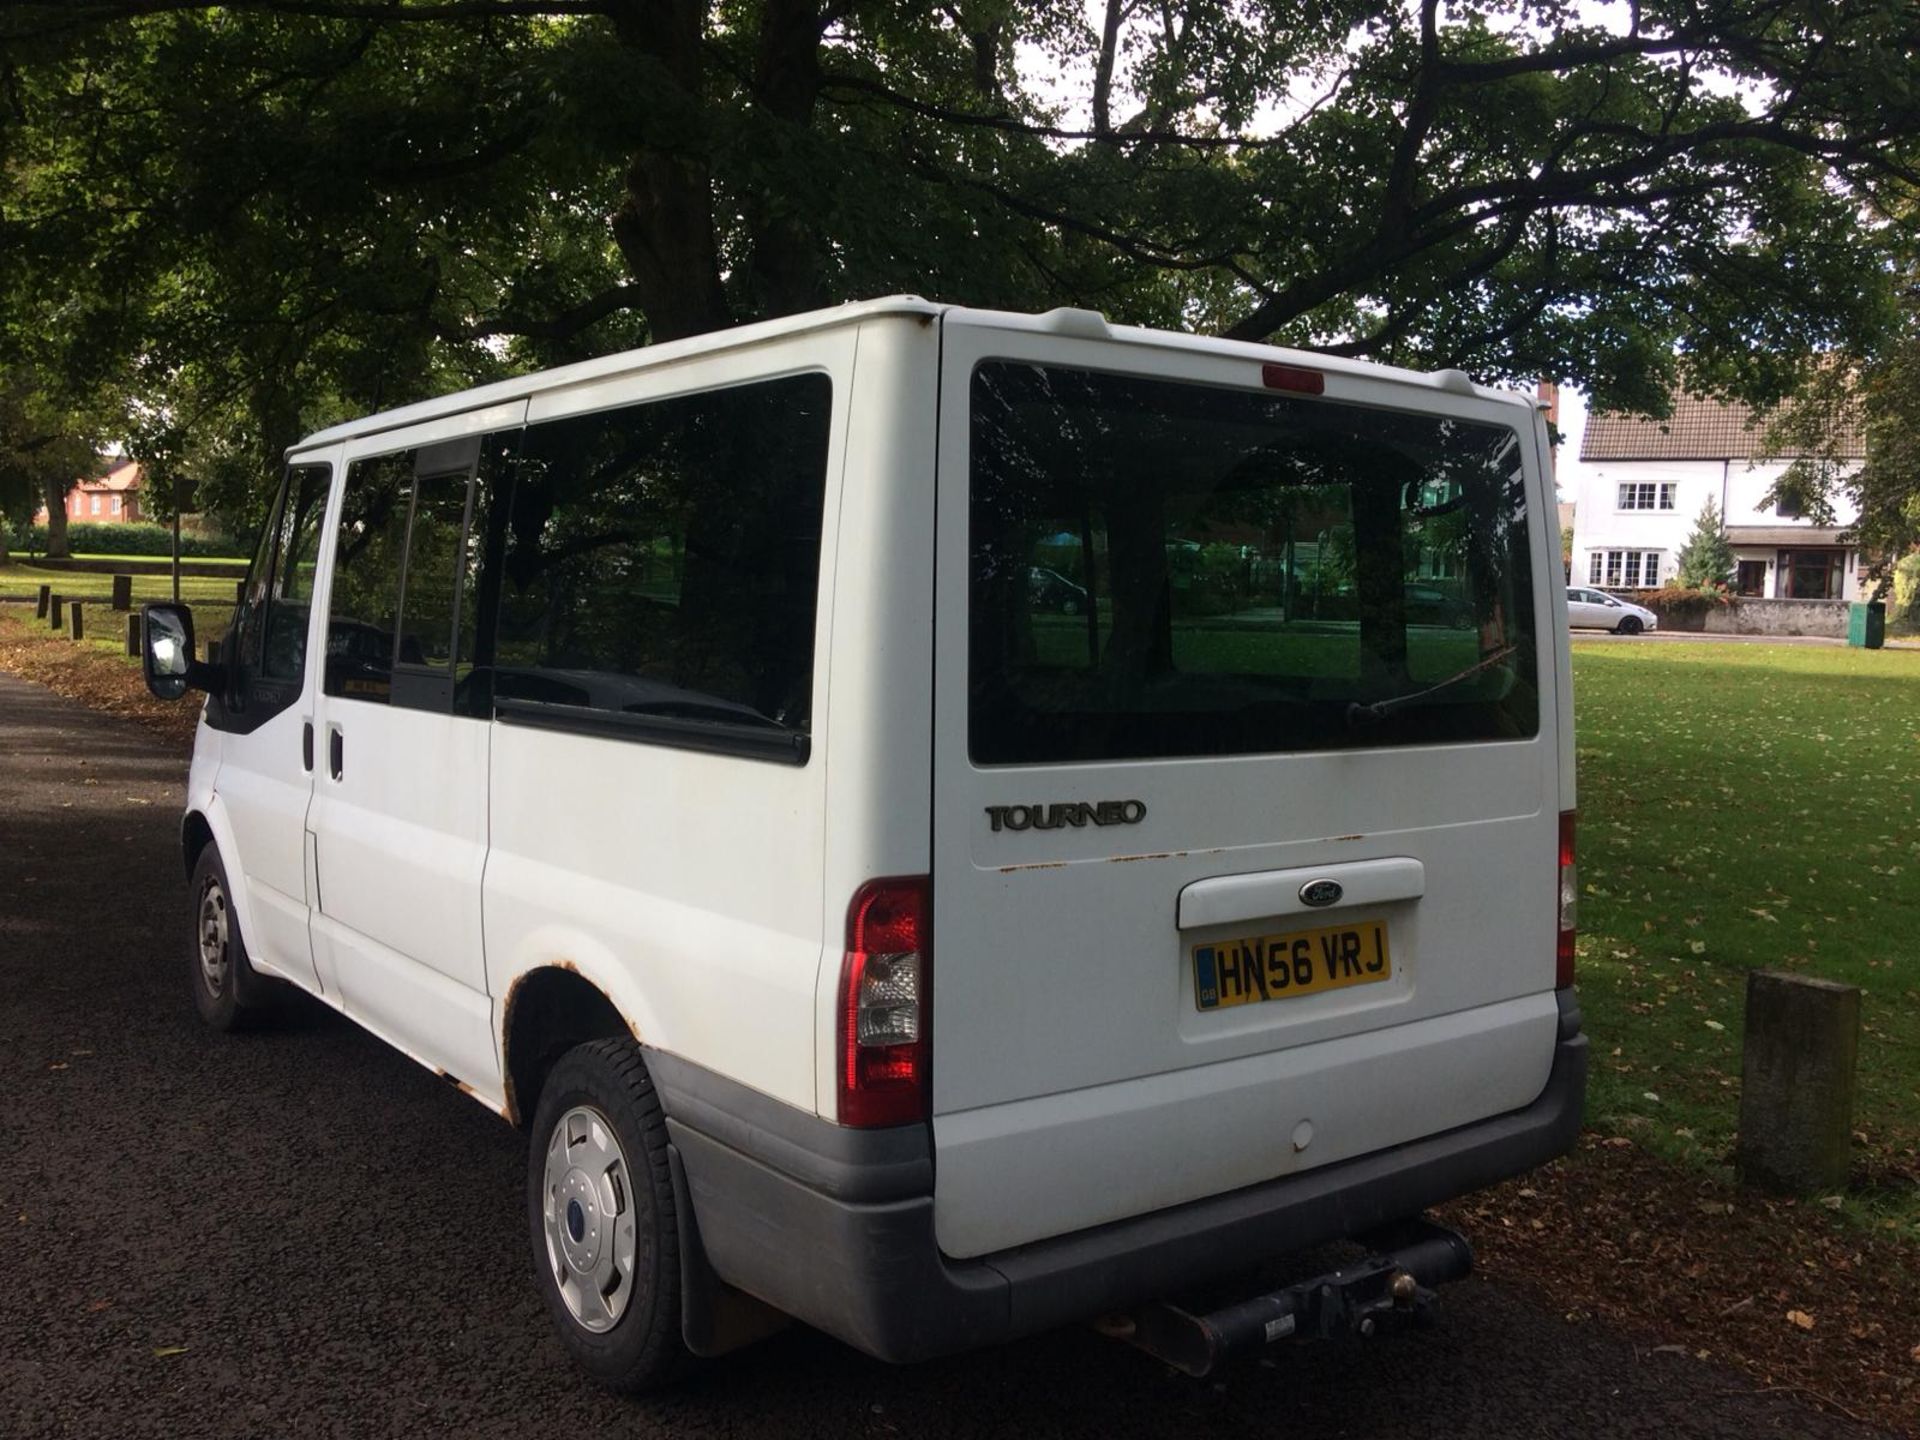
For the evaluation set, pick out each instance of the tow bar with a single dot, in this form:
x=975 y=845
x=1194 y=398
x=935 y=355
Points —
x=1392 y=1284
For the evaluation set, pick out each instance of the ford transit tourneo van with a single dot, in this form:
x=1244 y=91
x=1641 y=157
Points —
x=937 y=823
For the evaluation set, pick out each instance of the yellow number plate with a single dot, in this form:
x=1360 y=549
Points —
x=1299 y=962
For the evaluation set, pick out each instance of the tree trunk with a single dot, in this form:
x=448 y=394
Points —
x=664 y=226
x=56 y=498
x=786 y=274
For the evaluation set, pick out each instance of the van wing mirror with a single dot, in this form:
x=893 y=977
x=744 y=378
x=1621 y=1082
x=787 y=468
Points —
x=167 y=657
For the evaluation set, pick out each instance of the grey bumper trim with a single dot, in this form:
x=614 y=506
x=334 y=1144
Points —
x=822 y=1226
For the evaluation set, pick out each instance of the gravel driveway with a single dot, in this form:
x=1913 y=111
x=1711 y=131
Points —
x=299 y=1233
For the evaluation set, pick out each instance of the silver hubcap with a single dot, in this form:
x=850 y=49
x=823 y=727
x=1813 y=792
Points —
x=212 y=927
x=587 y=1206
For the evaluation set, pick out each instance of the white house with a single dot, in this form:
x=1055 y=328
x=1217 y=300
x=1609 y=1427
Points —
x=1643 y=483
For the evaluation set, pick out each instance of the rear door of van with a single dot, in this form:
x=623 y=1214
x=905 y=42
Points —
x=1247 y=770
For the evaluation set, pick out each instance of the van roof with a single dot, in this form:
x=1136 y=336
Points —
x=1064 y=321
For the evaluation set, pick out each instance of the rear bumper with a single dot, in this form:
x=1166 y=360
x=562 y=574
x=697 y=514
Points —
x=835 y=1227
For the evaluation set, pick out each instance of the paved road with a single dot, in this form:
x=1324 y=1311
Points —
x=331 y=1241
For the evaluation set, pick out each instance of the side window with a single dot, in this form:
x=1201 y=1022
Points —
x=398 y=572
x=659 y=568
x=268 y=639
x=296 y=549
x=370 y=548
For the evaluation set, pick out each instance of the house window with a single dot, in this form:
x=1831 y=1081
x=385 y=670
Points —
x=1812 y=574
x=1751 y=578
x=113 y=504
x=1625 y=569
x=96 y=504
x=1789 y=510
x=1648 y=495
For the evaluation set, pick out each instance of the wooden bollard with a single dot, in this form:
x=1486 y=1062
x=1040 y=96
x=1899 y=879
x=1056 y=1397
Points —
x=56 y=610
x=1797 y=1083
x=79 y=628
x=123 y=592
x=239 y=592
x=133 y=633
x=40 y=610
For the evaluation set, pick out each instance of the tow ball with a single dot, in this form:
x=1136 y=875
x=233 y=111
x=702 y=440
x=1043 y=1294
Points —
x=1393 y=1284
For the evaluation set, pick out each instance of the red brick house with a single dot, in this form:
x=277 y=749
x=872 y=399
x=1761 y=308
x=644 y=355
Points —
x=107 y=499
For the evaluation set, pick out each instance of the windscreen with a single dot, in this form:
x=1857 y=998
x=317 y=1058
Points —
x=1169 y=569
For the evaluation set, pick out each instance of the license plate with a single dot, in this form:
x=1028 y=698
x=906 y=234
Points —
x=1296 y=962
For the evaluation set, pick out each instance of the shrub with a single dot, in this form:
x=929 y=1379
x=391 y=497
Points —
x=1680 y=607
x=128 y=538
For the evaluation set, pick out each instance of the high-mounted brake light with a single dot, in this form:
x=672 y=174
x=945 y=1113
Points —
x=1569 y=903
x=885 y=989
x=1299 y=380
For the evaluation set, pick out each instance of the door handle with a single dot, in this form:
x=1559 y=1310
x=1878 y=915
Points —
x=306 y=746
x=336 y=759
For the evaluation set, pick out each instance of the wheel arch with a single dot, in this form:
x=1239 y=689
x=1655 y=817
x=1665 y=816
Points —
x=196 y=833
x=550 y=1009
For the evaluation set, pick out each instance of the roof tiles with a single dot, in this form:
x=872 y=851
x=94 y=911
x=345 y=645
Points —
x=1698 y=429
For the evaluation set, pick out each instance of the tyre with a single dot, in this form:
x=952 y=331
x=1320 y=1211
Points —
x=229 y=993
x=1069 y=606
x=600 y=1210
x=1629 y=626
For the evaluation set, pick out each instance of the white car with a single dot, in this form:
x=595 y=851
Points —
x=1589 y=609
x=695 y=777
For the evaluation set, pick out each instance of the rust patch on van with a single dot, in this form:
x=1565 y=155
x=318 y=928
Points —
x=1157 y=855
x=512 y=1108
x=1037 y=865
x=1344 y=839
x=454 y=1080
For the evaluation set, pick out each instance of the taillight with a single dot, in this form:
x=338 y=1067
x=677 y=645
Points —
x=1569 y=903
x=885 y=987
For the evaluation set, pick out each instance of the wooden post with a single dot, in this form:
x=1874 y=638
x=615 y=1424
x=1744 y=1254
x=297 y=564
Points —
x=1797 y=1082
x=79 y=629
x=133 y=633
x=40 y=609
x=123 y=592
x=56 y=610
x=239 y=592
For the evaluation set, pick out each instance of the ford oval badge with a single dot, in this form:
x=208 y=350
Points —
x=1320 y=892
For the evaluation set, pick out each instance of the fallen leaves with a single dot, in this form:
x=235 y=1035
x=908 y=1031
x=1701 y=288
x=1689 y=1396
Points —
x=1656 y=1249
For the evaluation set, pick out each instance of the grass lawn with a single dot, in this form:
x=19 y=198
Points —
x=1743 y=806
x=18 y=578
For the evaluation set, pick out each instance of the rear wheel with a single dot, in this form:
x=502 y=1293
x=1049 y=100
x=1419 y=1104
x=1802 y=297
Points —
x=600 y=1210
x=1629 y=626
x=227 y=991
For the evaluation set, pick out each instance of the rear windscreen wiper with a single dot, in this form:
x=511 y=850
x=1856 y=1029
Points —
x=1358 y=714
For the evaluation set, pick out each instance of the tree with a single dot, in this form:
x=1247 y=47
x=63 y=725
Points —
x=1507 y=187
x=1848 y=404
x=45 y=450
x=1706 y=560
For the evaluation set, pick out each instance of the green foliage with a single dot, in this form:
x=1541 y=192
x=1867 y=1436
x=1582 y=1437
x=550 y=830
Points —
x=1904 y=612
x=243 y=222
x=129 y=538
x=1706 y=560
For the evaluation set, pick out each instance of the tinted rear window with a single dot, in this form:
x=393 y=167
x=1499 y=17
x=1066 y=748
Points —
x=1168 y=569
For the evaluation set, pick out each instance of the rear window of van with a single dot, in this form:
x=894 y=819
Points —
x=1163 y=569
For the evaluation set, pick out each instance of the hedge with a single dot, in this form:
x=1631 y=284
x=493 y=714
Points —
x=128 y=537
